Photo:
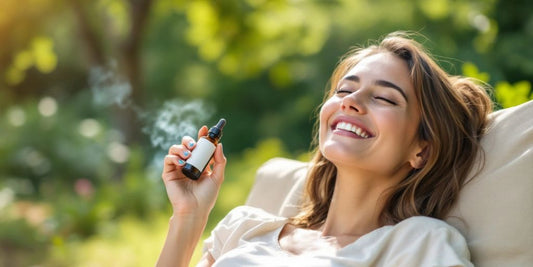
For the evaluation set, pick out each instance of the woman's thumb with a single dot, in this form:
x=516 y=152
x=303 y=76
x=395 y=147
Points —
x=219 y=164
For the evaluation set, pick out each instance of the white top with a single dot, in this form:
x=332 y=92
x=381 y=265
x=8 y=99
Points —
x=249 y=236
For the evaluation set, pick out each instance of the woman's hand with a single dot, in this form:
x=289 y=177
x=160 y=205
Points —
x=189 y=197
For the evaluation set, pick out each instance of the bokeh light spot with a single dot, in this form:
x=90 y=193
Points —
x=47 y=106
x=118 y=152
x=89 y=128
x=16 y=116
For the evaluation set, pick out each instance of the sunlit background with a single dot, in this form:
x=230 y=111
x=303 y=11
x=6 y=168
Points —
x=93 y=92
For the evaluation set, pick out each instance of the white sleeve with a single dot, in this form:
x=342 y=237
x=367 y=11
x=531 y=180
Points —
x=230 y=230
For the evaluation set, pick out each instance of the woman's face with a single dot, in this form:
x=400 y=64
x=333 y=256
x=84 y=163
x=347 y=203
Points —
x=371 y=121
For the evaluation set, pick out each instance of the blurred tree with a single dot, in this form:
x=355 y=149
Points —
x=113 y=30
x=512 y=53
x=108 y=30
x=284 y=50
x=262 y=64
x=24 y=44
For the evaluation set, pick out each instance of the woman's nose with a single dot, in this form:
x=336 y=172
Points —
x=353 y=103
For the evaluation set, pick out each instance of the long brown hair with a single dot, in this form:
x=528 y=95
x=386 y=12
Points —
x=453 y=118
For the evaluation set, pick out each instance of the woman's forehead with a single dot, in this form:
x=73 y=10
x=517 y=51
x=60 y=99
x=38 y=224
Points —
x=381 y=66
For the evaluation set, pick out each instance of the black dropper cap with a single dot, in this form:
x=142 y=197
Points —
x=216 y=131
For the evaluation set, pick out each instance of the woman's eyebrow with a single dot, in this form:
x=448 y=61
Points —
x=393 y=86
x=352 y=78
x=355 y=78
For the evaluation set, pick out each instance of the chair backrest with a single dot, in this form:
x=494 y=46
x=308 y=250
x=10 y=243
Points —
x=495 y=209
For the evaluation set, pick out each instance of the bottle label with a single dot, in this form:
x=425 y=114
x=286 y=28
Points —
x=201 y=154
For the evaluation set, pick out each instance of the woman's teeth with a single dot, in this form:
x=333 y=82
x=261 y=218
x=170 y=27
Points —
x=346 y=126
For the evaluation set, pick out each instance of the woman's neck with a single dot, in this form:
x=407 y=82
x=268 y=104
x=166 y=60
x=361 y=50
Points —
x=356 y=205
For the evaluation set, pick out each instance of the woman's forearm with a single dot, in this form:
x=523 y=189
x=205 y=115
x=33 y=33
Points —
x=183 y=235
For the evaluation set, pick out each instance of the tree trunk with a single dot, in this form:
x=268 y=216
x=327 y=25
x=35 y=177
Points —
x=126 y=118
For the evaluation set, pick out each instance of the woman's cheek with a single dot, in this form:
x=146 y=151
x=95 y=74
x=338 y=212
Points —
x=326 y=112
x=328 y=109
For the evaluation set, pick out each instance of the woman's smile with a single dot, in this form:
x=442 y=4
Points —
x=347 y=126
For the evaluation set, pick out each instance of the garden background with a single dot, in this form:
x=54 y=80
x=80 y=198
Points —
x=93 y=92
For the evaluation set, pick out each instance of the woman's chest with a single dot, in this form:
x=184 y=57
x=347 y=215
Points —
x=297 y=241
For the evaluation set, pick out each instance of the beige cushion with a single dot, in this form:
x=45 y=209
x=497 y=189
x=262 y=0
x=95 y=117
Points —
x=495 y=209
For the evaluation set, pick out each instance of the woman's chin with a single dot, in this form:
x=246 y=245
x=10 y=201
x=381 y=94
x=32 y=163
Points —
x=339 y=153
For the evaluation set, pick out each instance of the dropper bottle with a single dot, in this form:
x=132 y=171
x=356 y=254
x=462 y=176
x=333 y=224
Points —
x=203 y=152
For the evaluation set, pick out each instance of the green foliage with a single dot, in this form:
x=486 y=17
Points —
x=40 y=55
x=246 y=37
x=263 y=65
x=18 y=240
x=471 y=70
x=507 y=95
x=129 y=242
x=510 y=95
x=24 y=35
x=49 y=145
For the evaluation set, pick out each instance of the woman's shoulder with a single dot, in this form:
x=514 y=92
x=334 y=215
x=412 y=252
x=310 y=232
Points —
x=424 y=220
x=424 y=223
x=438 y=243
x=427 y=227
x=434 y=231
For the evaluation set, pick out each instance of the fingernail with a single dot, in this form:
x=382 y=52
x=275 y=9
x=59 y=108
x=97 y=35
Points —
x=191 y=144
x=181 y=162
x=186 y=153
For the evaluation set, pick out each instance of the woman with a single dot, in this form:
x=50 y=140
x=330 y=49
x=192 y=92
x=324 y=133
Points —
x=396 y=138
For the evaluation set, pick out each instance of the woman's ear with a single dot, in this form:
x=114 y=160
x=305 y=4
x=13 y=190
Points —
x=420 y=155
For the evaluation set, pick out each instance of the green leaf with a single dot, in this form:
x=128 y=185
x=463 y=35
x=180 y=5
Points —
x=471 y=70
x=511 y=95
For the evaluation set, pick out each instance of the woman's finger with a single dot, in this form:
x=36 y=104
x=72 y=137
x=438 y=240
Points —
x=202 y=131
x=188 y=142
x=179 y=150
x=173 y=160
x=171 y=164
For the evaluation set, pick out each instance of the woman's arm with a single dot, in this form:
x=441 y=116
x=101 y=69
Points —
x=182 y=238
x=191 y=201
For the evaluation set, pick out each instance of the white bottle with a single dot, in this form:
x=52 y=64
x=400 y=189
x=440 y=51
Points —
x=203 y=152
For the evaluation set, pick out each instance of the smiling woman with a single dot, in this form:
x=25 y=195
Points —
x=450 y=117
x=396 y=139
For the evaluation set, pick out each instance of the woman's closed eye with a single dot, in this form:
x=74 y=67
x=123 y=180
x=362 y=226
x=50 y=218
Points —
x=386 y=100
x=343 y=91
